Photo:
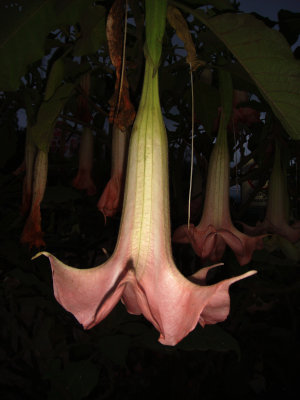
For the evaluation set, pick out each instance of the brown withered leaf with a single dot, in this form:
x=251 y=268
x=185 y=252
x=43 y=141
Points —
x=122 y=112
x=114 y=33
x=177 y=21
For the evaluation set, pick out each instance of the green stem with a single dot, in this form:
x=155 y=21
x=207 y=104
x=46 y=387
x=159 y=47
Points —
x=156 y=12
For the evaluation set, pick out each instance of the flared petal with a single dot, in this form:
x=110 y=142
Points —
x=181 y=234
x=253 y=230
x=111 y=198
x=213 y=247
x=199 y=277
x=233 y=241
x=174 y=304
x=89 y=294
x=210 y=243
x=32 y=233
x=289 y=232
x=83 y=181
x=250 y=244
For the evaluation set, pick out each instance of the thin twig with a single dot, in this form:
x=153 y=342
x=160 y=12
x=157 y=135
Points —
x=192 y=148
x=123 y=60
x=235 y=156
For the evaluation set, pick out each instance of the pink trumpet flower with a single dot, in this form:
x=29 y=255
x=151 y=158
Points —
x=240 y=115
x=276 y=219
x=216 y=230
x=112 y=196
x=141 y=270
x=32 y=233
x=83 y=179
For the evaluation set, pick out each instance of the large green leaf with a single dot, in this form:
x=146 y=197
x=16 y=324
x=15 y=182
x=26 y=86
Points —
x=55 y=78
x=92 y=29
x=41 y=132
x=24 y=26
x=266 y=56
x=207 y=101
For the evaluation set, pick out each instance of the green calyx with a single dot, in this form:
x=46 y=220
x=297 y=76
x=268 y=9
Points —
x=156 y=12
x=226 y=94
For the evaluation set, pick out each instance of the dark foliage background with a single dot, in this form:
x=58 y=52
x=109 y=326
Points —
x=44 y=352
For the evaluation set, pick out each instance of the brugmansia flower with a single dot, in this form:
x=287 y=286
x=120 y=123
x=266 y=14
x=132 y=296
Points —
x=83 y=179
x=121 y=113
x=141 y=270
x=111 y=198
x=277 y=213
x=32 y=232
x=240 y=115
x=216 y=230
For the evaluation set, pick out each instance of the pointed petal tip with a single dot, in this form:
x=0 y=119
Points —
x=168 y=341
x=247 y=274
x=41 y=253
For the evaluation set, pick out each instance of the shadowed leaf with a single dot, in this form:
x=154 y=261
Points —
x=23 y=30
x=266 y=56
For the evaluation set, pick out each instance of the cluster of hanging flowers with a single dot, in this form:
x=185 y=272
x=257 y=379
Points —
x=121 y=114
x=141 y=272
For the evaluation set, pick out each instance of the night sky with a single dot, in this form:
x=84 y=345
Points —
x=269 y=8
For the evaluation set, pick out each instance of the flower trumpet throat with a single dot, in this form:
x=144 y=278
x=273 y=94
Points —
x=141 y=271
